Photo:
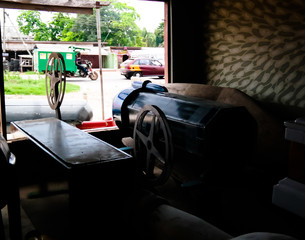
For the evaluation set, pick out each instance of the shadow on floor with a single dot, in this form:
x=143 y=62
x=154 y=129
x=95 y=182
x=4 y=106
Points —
x=46 y=215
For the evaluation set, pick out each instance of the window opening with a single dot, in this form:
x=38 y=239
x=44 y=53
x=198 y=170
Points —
x=83 y=94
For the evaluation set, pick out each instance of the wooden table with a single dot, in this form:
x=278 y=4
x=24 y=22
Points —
x=99 y=174
x=68 y=145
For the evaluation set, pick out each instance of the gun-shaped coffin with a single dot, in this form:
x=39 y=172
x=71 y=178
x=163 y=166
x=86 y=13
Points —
x=209 y=138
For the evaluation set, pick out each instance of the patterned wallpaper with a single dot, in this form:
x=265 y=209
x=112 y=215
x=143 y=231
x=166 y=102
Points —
x=258 y=47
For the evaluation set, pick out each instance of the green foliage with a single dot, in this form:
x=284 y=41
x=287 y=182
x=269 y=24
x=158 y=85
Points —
x=30 y=23
x=159 y=33
x=118 y=27
x=155 y=39
x=15 y=84
x=149 y=39
x=84 y=28
x=58 y=25
x=126 y=32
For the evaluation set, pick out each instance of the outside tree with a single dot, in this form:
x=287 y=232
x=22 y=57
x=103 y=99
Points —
x=118 y=27
x=159 y=33
x=57 y=26
x=30 y=24
x=149 y=39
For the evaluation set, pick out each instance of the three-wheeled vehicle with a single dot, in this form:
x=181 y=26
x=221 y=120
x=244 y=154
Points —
x=75 y=66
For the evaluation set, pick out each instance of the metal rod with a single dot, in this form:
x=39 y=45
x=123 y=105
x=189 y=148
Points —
x=58 y=113
x=57 y=110
x=98 y=27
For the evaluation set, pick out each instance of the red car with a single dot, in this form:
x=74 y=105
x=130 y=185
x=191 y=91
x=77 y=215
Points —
x=142 y=67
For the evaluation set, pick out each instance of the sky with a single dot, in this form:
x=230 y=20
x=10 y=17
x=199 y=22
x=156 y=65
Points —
x=151 y=13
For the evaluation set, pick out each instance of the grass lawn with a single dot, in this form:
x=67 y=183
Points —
x=29 y=84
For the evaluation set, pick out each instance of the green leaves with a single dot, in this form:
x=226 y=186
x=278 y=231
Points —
x=58 y=25
x=159 y=32
x=118 y=27
x=30 y=23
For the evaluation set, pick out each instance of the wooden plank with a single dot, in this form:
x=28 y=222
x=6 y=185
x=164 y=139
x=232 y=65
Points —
x=82 y=7
x=74 y=3
x=68 y=3
x=45 y=8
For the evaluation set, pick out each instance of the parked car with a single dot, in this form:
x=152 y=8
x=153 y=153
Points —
x=142 y=67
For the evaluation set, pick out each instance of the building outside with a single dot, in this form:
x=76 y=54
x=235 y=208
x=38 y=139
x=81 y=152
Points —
x=112 y=56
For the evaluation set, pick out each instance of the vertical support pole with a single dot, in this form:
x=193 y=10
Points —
x=166 y=67
x=2 y=97
x=3 y=31
x=170 y=59
x=98 y=28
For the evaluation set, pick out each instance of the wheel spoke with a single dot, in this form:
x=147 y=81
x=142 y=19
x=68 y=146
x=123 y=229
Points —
x=49 y=75
x=150 y=164
x=152 y=128
x=141 y=136
x=157 y=154
x=52 y=86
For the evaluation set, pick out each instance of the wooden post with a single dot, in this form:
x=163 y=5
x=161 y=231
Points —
x=2 y=97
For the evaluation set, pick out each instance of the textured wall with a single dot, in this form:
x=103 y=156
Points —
x=258 y=46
